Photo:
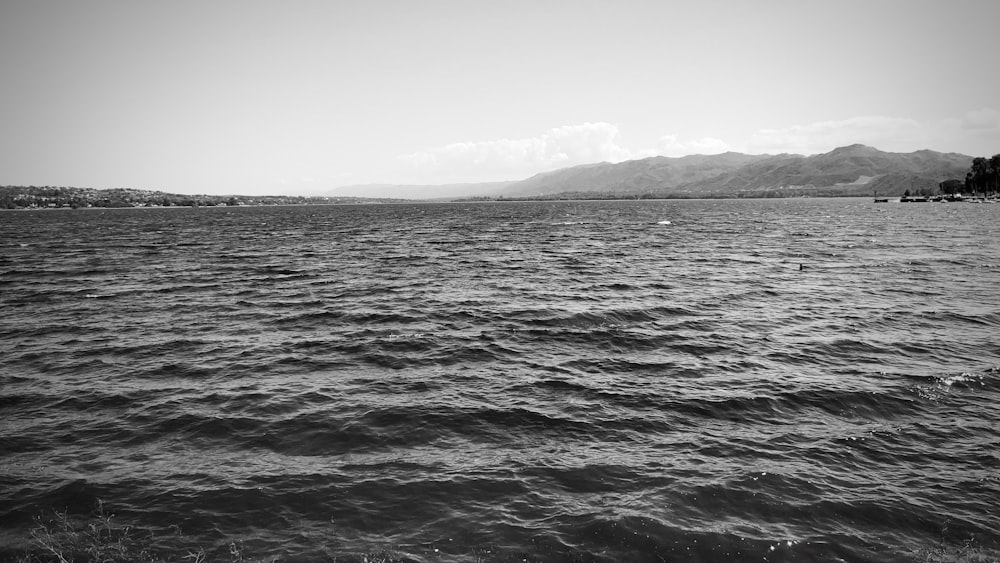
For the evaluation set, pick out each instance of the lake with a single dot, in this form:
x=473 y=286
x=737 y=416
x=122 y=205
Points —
x=698 y=380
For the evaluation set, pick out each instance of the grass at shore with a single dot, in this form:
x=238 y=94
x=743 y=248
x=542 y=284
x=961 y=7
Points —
x=59 y=538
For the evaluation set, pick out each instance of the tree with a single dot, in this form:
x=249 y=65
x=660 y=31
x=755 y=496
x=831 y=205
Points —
x=984 y=176
x=980 y=172
x=995 y=166
x=951 y=187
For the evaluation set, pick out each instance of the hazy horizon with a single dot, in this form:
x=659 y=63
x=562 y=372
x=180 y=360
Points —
x=231 y=97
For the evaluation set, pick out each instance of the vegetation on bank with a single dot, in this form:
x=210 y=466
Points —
x=981 y=181
x=50 y=197
x=984 y=176
x=59 y=538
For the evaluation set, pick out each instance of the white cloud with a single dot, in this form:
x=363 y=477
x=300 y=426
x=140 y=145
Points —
x=886 y=133
x=986 y=118
x=976 y=132
x=512 y=158
x=556 y=148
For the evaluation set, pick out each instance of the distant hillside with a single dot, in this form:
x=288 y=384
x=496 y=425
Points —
x=633 y=175
x=408 y=191
x=851 y=170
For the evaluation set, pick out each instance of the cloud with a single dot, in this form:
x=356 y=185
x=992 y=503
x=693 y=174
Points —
x=986 y=118
x=511 y=158
x=976 y=132
x=887 y=133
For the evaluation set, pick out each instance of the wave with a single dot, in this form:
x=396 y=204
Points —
x=471 y=382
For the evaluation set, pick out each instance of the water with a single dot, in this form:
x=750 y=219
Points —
x=776 y=380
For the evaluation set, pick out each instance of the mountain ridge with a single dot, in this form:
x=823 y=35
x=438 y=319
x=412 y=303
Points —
x=849 y=170
x=855 y=169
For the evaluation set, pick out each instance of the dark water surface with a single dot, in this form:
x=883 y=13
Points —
x=566 y=381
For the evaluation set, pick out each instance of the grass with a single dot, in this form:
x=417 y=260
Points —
x=966 y=552
x=58 y=538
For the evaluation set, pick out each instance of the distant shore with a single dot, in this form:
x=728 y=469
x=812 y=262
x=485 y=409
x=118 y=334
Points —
x=35 y=198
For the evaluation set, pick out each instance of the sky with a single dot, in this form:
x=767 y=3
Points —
x=300 y=97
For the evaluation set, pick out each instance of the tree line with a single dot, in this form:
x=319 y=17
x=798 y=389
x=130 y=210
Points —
x=984 y=176
x=34 y=197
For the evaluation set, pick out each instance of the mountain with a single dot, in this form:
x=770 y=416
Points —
x=633 y=175
x=850 y=170
x=408 y=191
